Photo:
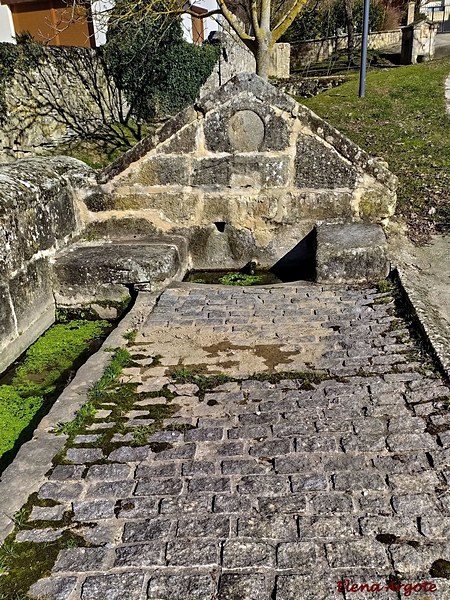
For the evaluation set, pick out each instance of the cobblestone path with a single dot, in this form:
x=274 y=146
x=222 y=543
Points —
x=259 y=489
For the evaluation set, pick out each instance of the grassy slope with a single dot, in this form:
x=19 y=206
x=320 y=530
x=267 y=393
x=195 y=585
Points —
x=402 y=119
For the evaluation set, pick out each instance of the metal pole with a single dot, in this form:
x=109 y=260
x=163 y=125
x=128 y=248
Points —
x=364 y=44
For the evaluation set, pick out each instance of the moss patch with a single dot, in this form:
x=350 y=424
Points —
x=23 y=563
x=44 y=370
x=120 y=399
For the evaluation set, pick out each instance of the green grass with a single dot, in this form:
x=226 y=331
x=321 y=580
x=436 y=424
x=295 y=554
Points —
x=402 y=119
x=121 y=358
x=46 y=363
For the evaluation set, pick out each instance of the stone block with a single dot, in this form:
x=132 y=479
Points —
x=57 y=588
x=180 y=587
x=81 y=559
x=352 y=253
x=143 y=531
x=362 y=554
x=98 y=274
x=243 y=553
x=161 y=170
x=142 y=555
x=237 y=586
x=31 y=294
x=242 y=171
x=244 y=125
x=117 y=586
x=183 y=142
x=315 y=205
x=210 y=171
x=376 y=202
x=192 y=553
x=177 y=206
x=318 y=166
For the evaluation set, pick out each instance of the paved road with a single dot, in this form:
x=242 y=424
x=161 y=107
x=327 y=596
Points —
x=269 y=491
x=442 y=45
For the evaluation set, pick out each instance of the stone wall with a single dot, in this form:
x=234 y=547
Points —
x=37 y=216
x=63 y=98
x=244 y=174
x=313 y=51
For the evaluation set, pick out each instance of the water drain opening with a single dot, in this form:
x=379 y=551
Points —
x=220 y=226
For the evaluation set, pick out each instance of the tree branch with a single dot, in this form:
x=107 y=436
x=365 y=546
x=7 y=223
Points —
x=266 y=7
x=287 y=20
x=234 y=22
x=254 y=16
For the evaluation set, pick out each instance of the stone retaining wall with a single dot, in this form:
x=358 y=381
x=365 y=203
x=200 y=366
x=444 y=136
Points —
x=314 y=51
x=37 y=216
x=235 y=58
x=65 y=96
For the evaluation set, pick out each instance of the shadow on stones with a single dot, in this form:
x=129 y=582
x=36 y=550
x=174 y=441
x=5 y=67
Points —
x=440 y=568
x=298 y=263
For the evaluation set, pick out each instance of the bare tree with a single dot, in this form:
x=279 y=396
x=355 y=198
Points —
x=258 y=23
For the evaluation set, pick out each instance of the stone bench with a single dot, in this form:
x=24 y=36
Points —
x=100 y=275
x=351 y=253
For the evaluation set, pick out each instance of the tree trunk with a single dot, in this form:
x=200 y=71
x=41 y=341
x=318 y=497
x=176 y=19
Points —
x=262 y=55
x=350 y=31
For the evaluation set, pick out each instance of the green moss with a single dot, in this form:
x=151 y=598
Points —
x=384 y=286
x=309 y=378
x=45 y=368
x=240 y=279
x=440 y=568
x=182 y=427
x=15 y=414
x=22 y=564
x=96 y=395
x=209 y=382
x=130 y=336
x=54 y=354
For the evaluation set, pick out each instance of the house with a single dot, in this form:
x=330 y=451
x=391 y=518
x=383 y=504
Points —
x=61 y=23
x=198 y=29
x=56 y=22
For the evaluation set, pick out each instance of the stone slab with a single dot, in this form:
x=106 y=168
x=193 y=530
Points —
x=351 y=253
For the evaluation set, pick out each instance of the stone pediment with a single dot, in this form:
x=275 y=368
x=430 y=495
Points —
x=248 y=156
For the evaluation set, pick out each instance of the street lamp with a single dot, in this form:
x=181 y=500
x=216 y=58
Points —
x=364 y=45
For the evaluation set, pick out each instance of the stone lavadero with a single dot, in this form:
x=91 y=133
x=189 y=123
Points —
x=245 y=174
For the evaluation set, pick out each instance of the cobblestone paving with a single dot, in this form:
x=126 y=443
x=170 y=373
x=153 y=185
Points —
x=270 y=491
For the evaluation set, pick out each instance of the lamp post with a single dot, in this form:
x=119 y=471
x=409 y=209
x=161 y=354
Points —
x=364 y=44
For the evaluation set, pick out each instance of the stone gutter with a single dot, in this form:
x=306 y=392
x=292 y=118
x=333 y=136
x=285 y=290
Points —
x=424 y=276
x=27 y=471
x=434 y=327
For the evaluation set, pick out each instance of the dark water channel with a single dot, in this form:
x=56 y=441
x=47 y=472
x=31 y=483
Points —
x=258 y=277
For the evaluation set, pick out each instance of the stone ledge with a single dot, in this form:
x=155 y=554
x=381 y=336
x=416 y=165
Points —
x=25 y=476
x=98 y=272
x=434 y=327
